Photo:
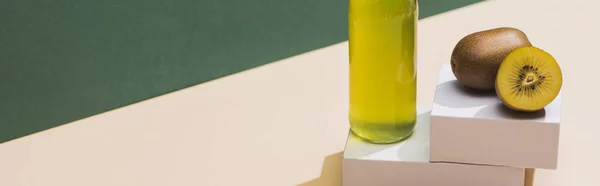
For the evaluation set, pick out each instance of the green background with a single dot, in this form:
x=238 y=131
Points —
x=65 y=60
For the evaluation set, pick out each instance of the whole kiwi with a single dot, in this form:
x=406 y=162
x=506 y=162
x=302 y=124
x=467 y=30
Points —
x=476 y=58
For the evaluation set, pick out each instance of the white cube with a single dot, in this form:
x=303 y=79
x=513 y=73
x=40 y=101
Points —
x=474 y=127
x=407 y=163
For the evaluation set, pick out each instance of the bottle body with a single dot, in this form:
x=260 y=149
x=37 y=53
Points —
x=382 y=69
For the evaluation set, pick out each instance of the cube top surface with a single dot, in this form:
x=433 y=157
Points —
x=453 y=100
x=413 y=149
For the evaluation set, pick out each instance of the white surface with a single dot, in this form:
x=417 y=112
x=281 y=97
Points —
x=253 y=128
x=407 y=163
x=392 y=173
x=474 y=127
x=413 y=149
x=453 y=100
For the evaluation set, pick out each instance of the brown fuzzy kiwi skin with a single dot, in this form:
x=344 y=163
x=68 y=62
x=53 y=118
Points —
x=476 y=58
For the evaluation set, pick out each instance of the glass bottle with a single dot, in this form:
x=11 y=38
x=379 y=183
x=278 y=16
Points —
x=382 y=46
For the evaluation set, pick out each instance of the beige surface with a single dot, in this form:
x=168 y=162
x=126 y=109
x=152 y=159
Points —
x=282 y=123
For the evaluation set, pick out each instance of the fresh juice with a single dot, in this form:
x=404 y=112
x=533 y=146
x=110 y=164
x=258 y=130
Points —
x=382 y=69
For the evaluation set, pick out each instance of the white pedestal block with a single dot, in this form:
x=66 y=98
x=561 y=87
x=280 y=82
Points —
x=407 y=163
x=474 y=127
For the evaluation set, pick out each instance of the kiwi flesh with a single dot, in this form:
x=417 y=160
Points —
x=476 y=57
x=528 y=79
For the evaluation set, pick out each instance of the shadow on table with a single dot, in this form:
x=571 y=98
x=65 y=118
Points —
x=455 y=94
x=498 y=110
x=331 y=173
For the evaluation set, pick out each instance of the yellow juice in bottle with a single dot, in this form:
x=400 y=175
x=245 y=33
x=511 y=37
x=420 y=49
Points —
x=382 y=69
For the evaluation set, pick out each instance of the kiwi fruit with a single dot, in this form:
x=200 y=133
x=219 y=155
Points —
x=528 y=79
x=477 y=57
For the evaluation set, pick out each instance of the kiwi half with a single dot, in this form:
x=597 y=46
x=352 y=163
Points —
x=528 y=79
